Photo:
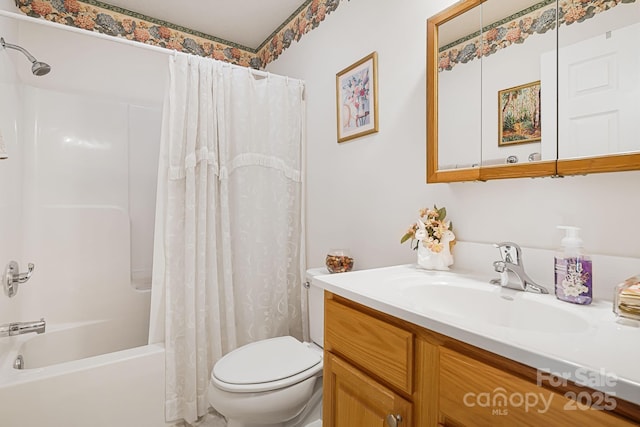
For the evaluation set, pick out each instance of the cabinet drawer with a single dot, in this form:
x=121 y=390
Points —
x=384 y=350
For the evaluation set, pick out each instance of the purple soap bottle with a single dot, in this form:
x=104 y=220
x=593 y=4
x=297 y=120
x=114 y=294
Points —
x=573 y=269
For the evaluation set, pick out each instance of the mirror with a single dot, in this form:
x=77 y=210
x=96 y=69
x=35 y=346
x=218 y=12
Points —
x=518 y=82
x=538 y=115
x=460 y=92
x=599 y=82
x=443 y=164
x=490 y=69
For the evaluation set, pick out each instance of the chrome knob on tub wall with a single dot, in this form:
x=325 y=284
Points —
x=13 y=277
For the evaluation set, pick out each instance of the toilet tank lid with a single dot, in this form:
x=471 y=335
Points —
x=265 y=361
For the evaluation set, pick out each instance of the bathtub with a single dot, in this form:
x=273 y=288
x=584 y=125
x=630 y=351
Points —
x=74 y=376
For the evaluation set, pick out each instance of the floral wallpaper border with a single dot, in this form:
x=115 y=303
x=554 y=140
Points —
x=104 y=18
x=305 y=19
x=536 y=19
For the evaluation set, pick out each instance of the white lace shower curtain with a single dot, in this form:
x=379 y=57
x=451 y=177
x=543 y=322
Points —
x=229 y=240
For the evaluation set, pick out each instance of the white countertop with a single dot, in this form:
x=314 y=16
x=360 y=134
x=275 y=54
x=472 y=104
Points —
x=591 y=349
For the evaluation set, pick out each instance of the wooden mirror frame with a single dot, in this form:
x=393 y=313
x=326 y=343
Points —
x=482 y=173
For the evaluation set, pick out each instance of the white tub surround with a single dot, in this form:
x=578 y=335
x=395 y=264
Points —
x=579 y=343
x=79 y=196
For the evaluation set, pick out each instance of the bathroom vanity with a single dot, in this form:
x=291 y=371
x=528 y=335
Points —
x=406 y=347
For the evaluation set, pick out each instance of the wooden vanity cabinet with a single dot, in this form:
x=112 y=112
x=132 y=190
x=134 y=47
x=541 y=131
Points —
x=381 y=371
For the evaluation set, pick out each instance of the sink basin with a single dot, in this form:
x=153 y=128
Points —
x=470 y=302
x=468 y=299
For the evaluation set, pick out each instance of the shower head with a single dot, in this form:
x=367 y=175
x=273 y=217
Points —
x=40 y=68
x=37 y=68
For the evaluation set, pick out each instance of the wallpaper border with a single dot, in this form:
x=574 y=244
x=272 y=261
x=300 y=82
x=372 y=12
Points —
x=101 y=17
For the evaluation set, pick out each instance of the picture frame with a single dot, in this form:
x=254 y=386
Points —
x=357 y=99
x=519 y=114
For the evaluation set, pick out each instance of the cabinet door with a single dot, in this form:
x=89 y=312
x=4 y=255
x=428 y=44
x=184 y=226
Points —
x=352 y=399
x=475 y=394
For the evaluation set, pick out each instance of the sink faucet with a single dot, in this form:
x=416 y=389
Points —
x=511 y=269
x=19 y=328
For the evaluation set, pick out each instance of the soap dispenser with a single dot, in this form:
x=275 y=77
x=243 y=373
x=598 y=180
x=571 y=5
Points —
x=573 y=270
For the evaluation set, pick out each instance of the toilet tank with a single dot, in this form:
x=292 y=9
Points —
x=316 y=306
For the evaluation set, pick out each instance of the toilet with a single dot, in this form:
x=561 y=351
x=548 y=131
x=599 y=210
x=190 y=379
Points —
x=275 y=382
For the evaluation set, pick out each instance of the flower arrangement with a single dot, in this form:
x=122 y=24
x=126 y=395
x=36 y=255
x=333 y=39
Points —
x=431 y=229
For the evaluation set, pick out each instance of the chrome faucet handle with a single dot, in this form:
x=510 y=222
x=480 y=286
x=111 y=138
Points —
x=23 y=277
x=499 y=266
x=13 y=277
x=511 y=269
x=510 y=252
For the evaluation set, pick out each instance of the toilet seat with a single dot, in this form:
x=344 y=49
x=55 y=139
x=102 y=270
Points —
x=266 y=365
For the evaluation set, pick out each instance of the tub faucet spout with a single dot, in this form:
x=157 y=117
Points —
x=19 y=328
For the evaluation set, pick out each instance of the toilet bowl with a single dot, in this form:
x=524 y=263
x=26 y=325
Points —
x=276 y=382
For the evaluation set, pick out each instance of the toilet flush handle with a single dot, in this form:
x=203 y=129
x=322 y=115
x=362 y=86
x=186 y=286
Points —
x=394 y=420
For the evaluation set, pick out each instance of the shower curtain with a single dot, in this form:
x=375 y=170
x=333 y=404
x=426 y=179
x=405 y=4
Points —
x=229 y=238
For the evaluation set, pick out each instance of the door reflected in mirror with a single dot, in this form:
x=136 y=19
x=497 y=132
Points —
x=599 y=80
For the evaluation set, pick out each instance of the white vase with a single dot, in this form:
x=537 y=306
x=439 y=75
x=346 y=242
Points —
x=434 y=260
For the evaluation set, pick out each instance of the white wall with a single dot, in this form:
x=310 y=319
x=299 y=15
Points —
x=363 y=194
x=8 y=5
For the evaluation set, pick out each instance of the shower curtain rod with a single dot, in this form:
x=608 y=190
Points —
x=165 y=51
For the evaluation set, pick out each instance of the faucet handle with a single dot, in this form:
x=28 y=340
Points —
x=499 y=266
x=510 y=252
x=13 y=277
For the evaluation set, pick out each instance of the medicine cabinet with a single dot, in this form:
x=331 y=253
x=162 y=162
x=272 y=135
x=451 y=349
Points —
x=532 y=88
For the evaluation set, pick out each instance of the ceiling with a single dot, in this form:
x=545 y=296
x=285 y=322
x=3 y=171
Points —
x=245 y=22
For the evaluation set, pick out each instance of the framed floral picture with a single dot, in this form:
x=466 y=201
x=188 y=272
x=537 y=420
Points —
x=357 y=98
x=519 y=119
